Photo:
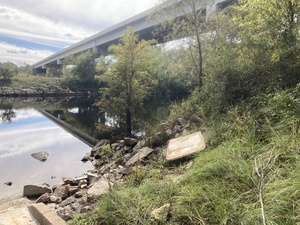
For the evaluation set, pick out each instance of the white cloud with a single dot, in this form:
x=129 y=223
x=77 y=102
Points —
x=56 y=24
x=20 y=55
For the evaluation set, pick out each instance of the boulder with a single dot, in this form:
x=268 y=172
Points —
x=87 y=157
x=54 y=199
x=130 y=142
x=9 y=183
x=35 y=190
x=142 y=153
x=44 y=198
x=161 y=213
x=61 y=191
x=73 y=189
x=41 y=156
x=99 y=188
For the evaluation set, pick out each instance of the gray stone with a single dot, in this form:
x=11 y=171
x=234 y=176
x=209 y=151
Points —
x=142 y=153
x=53 y=199
x=87 y=157
x=9 y=183
x=126 y=170
x=44 y=198
x=41 y=156
x=130 y=142
x=35 y=190
x=161 y=213
x=73 y=189
x=69 y=180
x=61 y=191
x=78 y=194
x=99 y=188
x=67 y=201
x=84 y=177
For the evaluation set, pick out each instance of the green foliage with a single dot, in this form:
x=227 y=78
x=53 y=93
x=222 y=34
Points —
x=25 y=69
x=129 y=78
x=269 y=31
x=81 y=76
x=186 y=31
x=40 y=83
x=228 y=184
x=8 y=70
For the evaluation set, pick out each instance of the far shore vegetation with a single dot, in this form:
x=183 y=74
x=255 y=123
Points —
x=239 y=72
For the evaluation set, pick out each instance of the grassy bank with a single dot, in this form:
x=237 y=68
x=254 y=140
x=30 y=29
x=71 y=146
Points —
x=249 y=174
x=39 y=83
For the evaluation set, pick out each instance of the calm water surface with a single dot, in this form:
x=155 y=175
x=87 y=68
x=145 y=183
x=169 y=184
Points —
x=28 y=131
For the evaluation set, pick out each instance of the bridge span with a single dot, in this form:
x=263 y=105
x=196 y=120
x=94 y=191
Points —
x=100 y=41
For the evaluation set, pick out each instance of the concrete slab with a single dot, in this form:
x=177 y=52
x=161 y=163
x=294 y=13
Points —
x=184 y=146
x=13 y=211
x=44 y=215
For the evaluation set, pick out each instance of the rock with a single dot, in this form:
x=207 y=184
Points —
x=139 y=145
x=35 y=190
x=68 y=180
x=73 y=189
x=9 y=183
x=130 y=142
x=161 y=213
x=67 y=201
x=126 y=171
x=87 y=157
x=142 y=153
x=117 y=146
x=91 y=176
x=54 y=199
x=99 y=188
x=78 y=194
x=61 y=191
x=41 y=156
x=44 y=198
x=195 y=119
x=102 y=142
x=78 y=179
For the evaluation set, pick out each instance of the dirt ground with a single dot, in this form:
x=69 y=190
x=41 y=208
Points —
x=13 y=211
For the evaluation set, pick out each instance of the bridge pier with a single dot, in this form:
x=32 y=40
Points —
x=54 y=71
x=216 y=6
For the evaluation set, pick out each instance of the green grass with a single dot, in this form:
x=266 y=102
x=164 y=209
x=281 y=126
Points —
x=250 y=175
x=40 y=83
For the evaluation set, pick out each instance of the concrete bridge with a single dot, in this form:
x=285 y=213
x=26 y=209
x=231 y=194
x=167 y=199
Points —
x=100 y=42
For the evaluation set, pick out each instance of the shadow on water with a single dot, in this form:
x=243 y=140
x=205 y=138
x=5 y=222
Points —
x=83 y=119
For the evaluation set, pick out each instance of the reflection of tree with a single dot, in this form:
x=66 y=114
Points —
x=7 y=113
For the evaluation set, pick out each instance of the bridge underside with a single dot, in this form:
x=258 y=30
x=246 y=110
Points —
x=100 y=42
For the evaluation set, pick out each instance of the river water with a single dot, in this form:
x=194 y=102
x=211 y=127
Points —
x=26 y=129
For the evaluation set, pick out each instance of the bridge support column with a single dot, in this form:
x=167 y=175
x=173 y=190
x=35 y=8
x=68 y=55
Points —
x=54 y=71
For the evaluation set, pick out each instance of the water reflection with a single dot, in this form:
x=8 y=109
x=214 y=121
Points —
x=26 y=132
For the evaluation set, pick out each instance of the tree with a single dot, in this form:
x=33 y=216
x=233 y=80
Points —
x=81 y=75
x=129 y=77
x=187 y=30
x=8 y=70
x=269 y=34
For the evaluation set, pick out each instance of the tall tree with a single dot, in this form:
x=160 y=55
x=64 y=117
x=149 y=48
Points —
x=81 y=75
x=188 y=30
x=269 y=33
x=129 y=77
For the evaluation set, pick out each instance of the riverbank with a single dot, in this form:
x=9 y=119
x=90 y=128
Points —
x=36 y=86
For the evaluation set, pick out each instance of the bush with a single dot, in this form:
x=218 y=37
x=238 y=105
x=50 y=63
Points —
x=8 y=70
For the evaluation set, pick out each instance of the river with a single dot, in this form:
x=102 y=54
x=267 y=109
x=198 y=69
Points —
x=31 y=125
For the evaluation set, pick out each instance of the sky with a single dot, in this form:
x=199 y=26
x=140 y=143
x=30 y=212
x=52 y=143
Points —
x=31 y=30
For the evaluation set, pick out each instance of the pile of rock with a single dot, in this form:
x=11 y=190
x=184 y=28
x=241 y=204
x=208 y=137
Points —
x=112 y=163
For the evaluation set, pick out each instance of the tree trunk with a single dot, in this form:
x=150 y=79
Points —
x=128 y=122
